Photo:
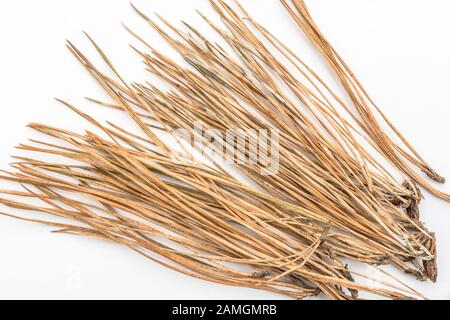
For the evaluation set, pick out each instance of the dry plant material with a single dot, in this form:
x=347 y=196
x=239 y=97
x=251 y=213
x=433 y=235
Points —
x=404 y=158
x=289 y=233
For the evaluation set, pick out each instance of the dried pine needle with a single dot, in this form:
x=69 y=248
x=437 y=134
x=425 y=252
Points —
x=288 y=233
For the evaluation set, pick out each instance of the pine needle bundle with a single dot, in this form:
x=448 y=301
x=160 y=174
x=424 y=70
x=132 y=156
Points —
x=292 y=232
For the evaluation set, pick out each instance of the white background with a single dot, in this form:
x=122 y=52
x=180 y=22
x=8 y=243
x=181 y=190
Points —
x=399 y=48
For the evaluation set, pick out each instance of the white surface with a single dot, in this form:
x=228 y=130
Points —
x=400 y=49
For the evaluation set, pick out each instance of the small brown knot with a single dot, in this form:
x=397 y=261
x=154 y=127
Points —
x=349 y=277
x=430 y=266
x=419 y=275
x=433 y=175
x=412 y=209
x=384 y=261
x=262 y=274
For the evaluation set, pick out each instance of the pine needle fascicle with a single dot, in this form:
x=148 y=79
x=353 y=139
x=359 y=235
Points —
x=289 y=233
